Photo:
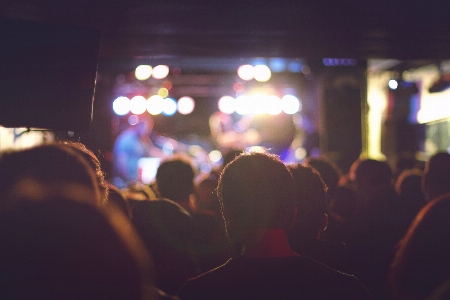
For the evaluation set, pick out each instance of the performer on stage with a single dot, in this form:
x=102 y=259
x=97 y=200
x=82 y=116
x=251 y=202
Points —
x=131 y=145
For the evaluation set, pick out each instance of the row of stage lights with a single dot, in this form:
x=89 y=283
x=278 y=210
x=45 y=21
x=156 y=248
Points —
x=259 y=72
x=242 y=105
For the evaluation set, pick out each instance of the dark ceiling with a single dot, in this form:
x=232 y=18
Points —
x=313 y=28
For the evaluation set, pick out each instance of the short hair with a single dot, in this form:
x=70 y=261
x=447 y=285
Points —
x=64 y=249
x=256 y=191
x=47 y=163
x=327 y=169
x=436 y=179
x=422 y=260
x=377 y=172
x=311 y=200
x=175 y=178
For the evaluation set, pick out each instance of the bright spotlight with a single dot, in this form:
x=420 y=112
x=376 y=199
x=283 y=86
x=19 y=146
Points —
x=262 y=73
x=155 y=105
x=275 y=107
x=121 y=106
x=163 y=92
x=169 y=107
x=243 y=105
x=393 y=84
x=290 y=104
x=143 y=72
x=215 y=156
x=160 y=71
x=226 y=105
x=245 y=72
x=186 y=105
x=138 y=105
x=260 y=103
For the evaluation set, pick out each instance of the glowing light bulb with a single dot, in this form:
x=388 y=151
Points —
x=155 y=105
x=245 y=72
x=138 y=105
x=186 y=105
x=160 y=71
x=121 y=106
x=262 y=73
x=143 y=72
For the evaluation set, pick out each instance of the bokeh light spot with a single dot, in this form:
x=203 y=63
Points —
x=138 y=105
x=226 y=105
x=160 y=71
x=169 y=107
x=121 y=106
x=143 y=72
x=186 y=105
x=245 y=72
x=262 y=73
x=155 y=105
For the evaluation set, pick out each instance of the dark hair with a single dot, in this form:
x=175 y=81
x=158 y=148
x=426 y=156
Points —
x=48 y=163
x=436 y=179
x=175 y=178
x=422 y=260
x=376 y=172
x=94 y=163
x=64 y=249
x=328 y=171
x=256 y=191
x=311 y=200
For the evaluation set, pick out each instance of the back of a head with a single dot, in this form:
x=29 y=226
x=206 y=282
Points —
x=371 y=174
x=49 y=164
x=64 y=249
x=175 y=178
x=311 y=200
x=408 y=186
x=230 y=155
x=94 y=163
x=256 y=192
x=436 y=179
x=422 y=261
x=328 y=170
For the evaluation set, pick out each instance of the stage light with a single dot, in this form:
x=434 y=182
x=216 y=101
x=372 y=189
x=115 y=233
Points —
x=155 y=105
x=393 y=84
x=277 y=64
x=169 y=107
x=167 y=84
x=295 y=67
x=245 y=72
x=275 y=107
x=290 y=104
x=163 y=92
x=160 y=71
x=260 y=103
x=186 y=105
x=138 y=105
x=143 y=72
x=133 y=120
x=226 y=105
x=243 y=105
x=215 y=156
x=121 y=106
x=262 y=73
x=238 y=87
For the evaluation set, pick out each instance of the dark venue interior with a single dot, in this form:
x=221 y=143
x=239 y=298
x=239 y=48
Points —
x=237 y=111
x=208 y=41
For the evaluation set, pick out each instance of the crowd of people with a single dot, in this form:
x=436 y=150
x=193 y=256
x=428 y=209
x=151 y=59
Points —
x=256 y=228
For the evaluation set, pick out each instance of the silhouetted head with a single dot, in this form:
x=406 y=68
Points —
x=256 y=192
x=436 y=178
x=175 y=178
x=328 y=171
x=65 y=249
x=311 y=201
x=422 y=261
x=43 y=172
